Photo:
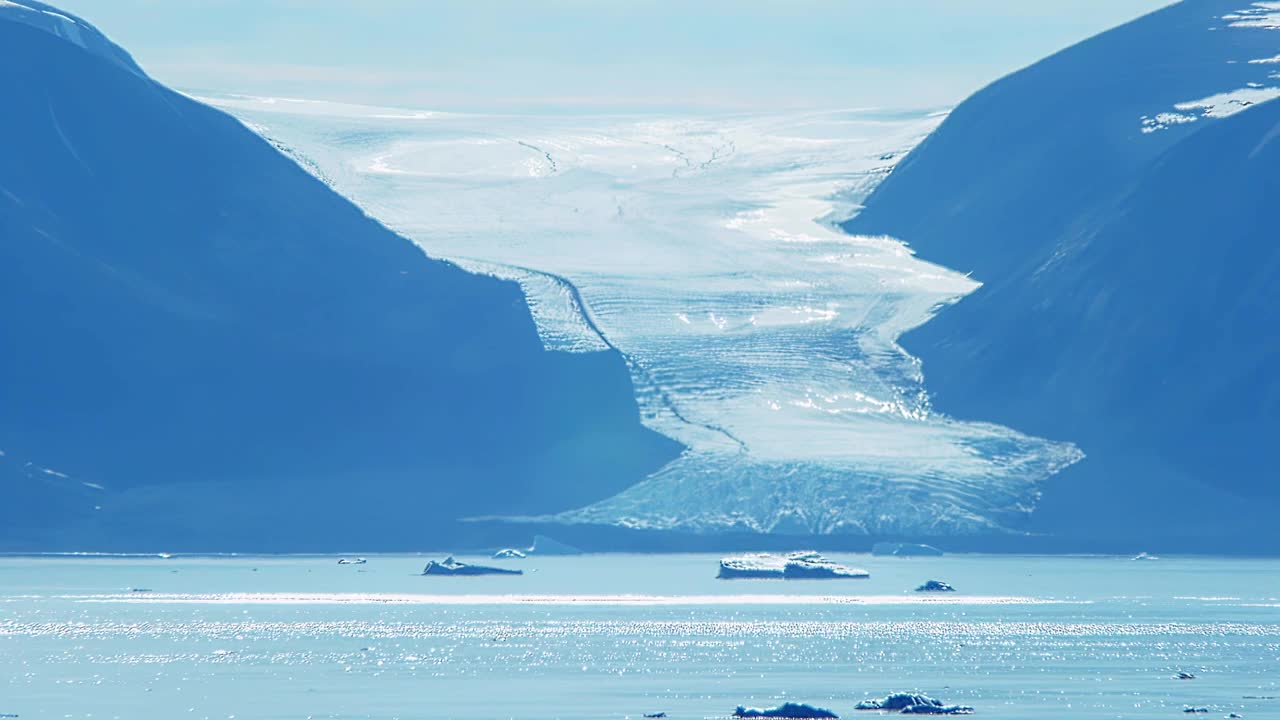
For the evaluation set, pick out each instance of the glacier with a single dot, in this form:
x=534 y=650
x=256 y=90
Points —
x=706 y=250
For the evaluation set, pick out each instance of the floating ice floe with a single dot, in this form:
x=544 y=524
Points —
x=905 y=549
x=935 y=586
x=794 y=566
x=449 y=566
x=785 y=710
x=913 y=704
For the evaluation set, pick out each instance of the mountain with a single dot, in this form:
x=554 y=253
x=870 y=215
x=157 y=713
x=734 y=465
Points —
x=205 y=348
x=1115 y=201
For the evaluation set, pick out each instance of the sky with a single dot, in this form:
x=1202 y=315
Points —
x=599 y=55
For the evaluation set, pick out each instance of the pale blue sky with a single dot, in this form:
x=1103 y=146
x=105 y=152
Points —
x=597 y=55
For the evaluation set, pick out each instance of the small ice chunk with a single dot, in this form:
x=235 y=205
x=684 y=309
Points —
x=452 y=567
x=935 y=586
x=807 y=565
x=913 y=704
x=785 y=710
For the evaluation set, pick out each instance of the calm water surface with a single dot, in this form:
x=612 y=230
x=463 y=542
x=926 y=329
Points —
x=616 y=636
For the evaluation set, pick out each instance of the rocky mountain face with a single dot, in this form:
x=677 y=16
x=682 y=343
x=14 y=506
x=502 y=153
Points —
x=209 y=349
x=1115 y=201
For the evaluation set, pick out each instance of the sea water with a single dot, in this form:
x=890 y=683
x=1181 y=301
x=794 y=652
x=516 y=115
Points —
x=617 y=636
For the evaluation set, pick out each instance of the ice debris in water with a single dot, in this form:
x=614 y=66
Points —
x=905 y=549
x=785 y=710
x=913 y=704
x=449 y=566
x=935 y=586
x=793 y=566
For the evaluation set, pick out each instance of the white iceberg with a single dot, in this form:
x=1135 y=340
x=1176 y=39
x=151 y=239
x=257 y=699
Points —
x=452 y=567
x=785 y=710
x=807 y=565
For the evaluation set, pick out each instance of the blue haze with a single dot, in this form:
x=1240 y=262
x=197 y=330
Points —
x=579 y=56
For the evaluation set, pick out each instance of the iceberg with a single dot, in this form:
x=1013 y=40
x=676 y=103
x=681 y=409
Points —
x=449 y=566
x=935 y=586
x=806 y=565
x=785 y=710
x=905 y=549
x=509 y=554
x=821 y=569
x=913 y=704
x=352 y=561
x=937 y=710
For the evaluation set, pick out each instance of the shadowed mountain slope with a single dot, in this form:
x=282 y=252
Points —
x=239 y=357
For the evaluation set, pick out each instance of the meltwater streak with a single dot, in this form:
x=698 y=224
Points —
x=704 y=250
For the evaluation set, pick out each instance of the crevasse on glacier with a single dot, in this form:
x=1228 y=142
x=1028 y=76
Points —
x=705 y=250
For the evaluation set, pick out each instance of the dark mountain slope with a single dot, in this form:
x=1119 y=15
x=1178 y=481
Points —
x=1131 y=280
x=240 y=357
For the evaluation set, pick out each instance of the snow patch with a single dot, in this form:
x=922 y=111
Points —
x=1229 y=103
x=1263 y=15
x=1216 y=106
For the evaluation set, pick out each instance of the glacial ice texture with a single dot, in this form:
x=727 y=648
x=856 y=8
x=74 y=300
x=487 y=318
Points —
x=705 y=250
